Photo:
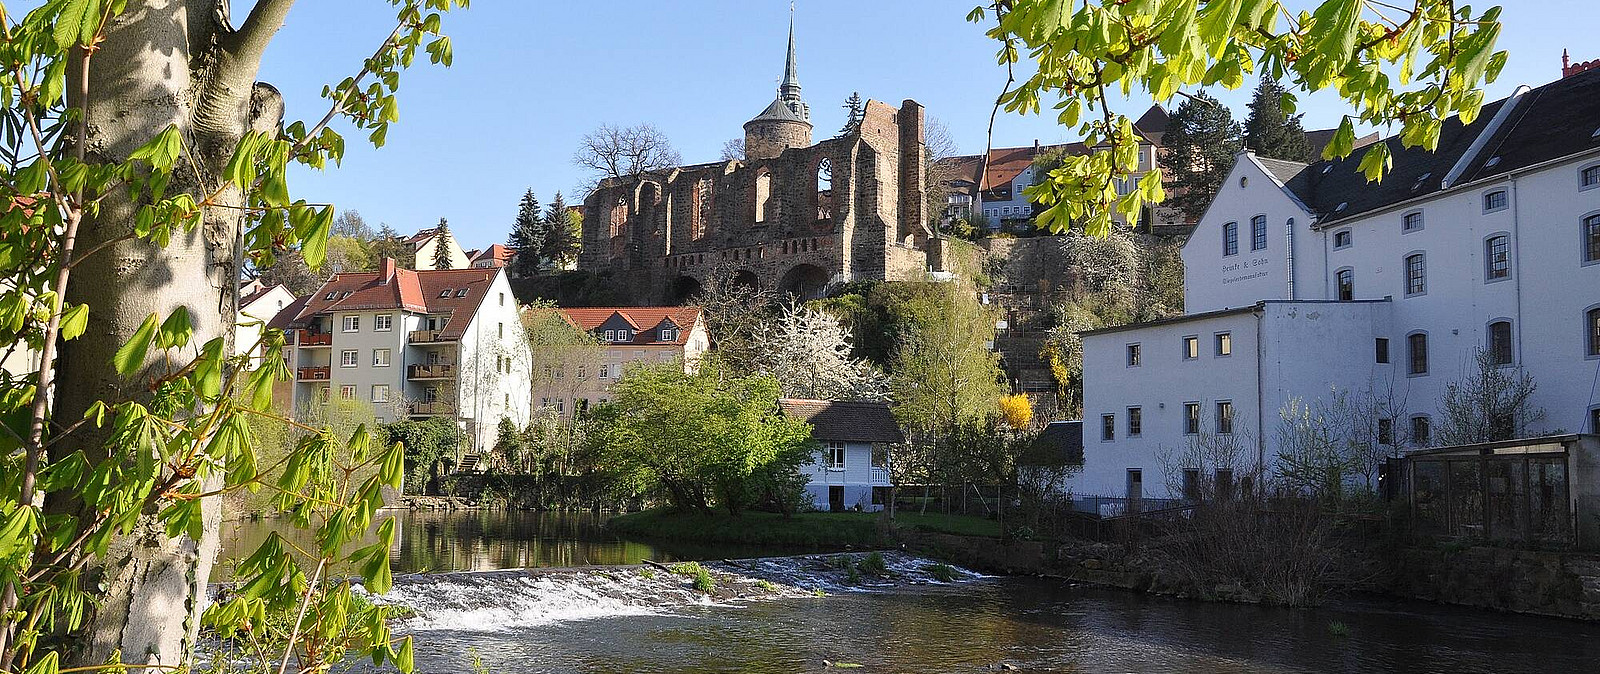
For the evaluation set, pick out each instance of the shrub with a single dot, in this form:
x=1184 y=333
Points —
x=943 y=573
x=873 y=564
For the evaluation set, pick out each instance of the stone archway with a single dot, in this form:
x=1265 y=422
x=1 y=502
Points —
x=683 y=290
x=745 y=277
x=804 y=282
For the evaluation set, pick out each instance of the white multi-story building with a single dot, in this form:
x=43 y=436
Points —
x=413 y=344
x=850 y=470
x=1301 y=279
x=258 y=304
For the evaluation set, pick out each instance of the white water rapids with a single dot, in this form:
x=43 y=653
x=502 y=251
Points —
x=499 y=600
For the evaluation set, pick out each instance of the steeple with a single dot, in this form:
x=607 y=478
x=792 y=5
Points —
x=789 y=89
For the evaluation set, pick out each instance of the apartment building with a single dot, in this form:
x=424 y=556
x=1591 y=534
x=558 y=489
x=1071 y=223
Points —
x=626 y=336
x=1304 y=279
x=414 y=344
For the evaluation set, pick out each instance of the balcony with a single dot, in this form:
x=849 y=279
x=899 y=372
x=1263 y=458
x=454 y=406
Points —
x=316 y=373
x=431 y=371
x=880 y=476
x=309 y=338
x=432 y=409
x=429 y=337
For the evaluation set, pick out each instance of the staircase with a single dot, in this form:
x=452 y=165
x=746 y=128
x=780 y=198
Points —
x=469 y=464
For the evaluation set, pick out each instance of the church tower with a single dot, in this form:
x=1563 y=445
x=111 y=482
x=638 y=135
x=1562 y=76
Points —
x=786 y=122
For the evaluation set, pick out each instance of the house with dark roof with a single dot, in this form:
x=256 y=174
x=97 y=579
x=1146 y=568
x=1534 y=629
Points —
x=413 y=344
x=627 y=336
x=1305 y=281
x=851 y=468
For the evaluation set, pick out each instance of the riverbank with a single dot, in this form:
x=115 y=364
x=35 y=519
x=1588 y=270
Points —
x=806 y=530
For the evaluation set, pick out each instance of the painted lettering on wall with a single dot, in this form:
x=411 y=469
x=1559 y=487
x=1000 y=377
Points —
x=1253 y=268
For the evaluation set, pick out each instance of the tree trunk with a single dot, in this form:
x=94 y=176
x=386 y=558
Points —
x=163 y=63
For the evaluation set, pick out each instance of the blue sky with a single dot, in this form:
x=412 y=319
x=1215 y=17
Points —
x=531 y=77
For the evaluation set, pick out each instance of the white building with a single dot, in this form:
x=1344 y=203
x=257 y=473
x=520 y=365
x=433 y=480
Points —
x=413 y=343
x=426 y=244
x=851 y=469
x=258 y=304
x=1301 y=279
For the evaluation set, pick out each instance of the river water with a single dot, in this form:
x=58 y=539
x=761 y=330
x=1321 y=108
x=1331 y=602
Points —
x=804 y=612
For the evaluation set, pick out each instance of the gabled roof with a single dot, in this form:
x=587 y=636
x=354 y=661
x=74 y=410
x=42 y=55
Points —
x=1153 y=124
x=1059 y=444
x=453 y=292
x=1555 y=120
x=845 y=421
x=499 y=253
x=259 y=293
x=645 y=322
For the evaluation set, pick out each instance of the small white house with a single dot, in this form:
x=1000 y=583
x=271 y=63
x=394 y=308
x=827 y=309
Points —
x=851 y=469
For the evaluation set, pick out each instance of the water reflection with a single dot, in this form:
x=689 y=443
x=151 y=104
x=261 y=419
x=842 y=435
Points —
x=480 y=540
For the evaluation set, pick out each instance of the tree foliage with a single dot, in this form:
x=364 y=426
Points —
x=426 y=444
x=111 y=482
x=945 y=372
x=1269 y=131
x=1199 y=146
x=442 y=239
x=563 y=233
x=853 y=109
x=527 y=236
x=1413 y=67
x=612 y=152
x=809 y=353
x=705 y=439
x=1490 y=402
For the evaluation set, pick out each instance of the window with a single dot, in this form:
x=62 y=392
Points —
x=1341 y=239
x=1135 y=422
x=583 y=372
x=331 y=294
x=1500 y=342
x=1417 y=360
x=1230 y=239
x=624 y=335
x=763 y=195
x=1416 y=274
x=1592 y=321
x=835 y=456
x=1224 y=344
x=1224 y=417
x=1135 y=484
x=1224 y=478
x=1191 y=484
x=1497 y=257
x=1108 y=427
x=1191 y=347
x=1134 y=355
x=352 y=323
x=348 y=358
x=461 y=292
x=667 y=335
x=1381 y=347
x=611 y=335
x=445 y=292
x=347 y=391
x=1191 y=418
x=1421 y=431
x=502 y=299
x=1411 y=222
x=1589 y=177
x=500 y=328
x=1591 y=238
x=1346 y=278
x=1494 y=201
x=380 y=393
x=1258 y=233
x=380 y=358
x=561 y=406
x=1594 y=420
x=1386 y=432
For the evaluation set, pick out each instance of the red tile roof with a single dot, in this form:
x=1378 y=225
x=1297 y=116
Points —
x=497 y=252
x=453 y=292
x=641 y=320
x=258 y=294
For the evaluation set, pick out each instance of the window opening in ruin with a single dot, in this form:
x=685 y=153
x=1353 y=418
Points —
x=825 y=189
x=763 y=195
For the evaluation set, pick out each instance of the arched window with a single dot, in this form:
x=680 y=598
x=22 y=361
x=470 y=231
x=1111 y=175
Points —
x=700 y=209
x=1416 y=274
x=1495 y=201
x=1258 y=233
x=1347 y=284
x=1591 y=238
x=1497 y=257
x=763 y=195
x=1417 y=353
x=824 y=195
x=1500 y=342
x=1230 y=238
x=619 y=216
x=1591 y=324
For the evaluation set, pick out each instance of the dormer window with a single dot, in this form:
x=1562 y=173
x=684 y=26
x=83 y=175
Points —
x=667 y=335
x=624 y=335
x=444 y=293
x=611 y=335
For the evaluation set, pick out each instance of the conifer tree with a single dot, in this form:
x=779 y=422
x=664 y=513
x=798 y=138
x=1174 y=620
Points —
x=1269 y=131
x=441 y=246
x=853 y=108
x=527 y=236
x=561 y=236
x=1200 y=142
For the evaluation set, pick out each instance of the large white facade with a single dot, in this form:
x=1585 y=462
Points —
x=1323 y=284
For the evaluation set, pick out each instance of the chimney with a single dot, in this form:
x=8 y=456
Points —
x=1568 y=69
x=385 y=270
x=1036 y=146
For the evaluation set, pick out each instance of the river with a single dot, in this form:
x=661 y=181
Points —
x=608 y=617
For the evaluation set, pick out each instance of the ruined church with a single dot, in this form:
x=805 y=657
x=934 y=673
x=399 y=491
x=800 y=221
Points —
x=793 y=216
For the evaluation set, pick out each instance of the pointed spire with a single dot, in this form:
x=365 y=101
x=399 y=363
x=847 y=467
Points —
x=789 y=89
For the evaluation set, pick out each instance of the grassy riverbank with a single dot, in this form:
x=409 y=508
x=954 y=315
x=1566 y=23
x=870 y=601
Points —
x=801 y=530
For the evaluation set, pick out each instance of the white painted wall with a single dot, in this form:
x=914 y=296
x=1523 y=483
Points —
x=856 y=477
x=1215 y=281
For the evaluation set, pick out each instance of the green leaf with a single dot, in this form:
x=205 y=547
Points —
x=132 y=354
x=314 y=237
x=1375 y=162
x=75 y=321
x=208 y=373
x=76 y=19
x=176 y=330
x=1343 y=141
x=49 y=664
x=404 y=660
